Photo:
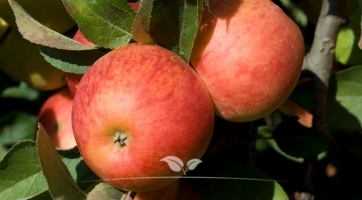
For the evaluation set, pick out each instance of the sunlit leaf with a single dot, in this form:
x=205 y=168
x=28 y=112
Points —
x=37 y=33
x=347 y=51
x=20 y=173
x=191 y=17
x=60 y=182
x=101 y=22
x=344 y=109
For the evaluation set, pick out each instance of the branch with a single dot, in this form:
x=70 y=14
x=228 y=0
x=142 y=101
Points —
x=321 y=56
x=318 y=62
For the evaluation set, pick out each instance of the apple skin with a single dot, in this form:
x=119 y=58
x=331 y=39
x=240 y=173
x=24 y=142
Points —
x=151 y=99
x=249 y=55
x=21 y=60
x=55 y=116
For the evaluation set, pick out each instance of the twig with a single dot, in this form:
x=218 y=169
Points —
x=318 y=62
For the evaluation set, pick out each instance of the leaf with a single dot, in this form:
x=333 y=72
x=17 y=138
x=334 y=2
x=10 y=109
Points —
x=78 y=169
x=266 y=136
x=70 y=61
x=170 y=24
x=347 y=51
x=192 y=164
x=174 y=163
x=22 y=126
x=22 y=91
x=140 y=28
x=37 y=33
x=102 y=23
x=235 y=181
x=344 y=100
x=20 y=172
x=60 y=182
x=189 y=26
x=344 y=108
x=298 y=141
x=105 y=191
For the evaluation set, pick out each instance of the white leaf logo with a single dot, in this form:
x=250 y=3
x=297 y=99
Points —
x=176 y=163
x=192 y=164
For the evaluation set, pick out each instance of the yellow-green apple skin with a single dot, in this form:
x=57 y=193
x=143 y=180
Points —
x=55 y=116
x=135 y=106
x=249 y=55
x=50 y=13
x=22 y=61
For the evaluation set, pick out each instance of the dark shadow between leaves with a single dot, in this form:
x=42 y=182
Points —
x=232 y=181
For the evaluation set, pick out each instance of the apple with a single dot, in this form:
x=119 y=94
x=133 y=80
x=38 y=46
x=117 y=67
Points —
x=50 y=13
x=21 y=60
x=135 y=106
x=55 y=116
x=249 y=55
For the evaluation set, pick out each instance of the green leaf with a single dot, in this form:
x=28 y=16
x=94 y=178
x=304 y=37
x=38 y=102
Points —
x=78 y=169
x=189 y=27
x=266 y=134
x=22 y=91
x=344 y=100
x=347 y=51
x=170 y=24
x=70 y=61
x=37 y=33
x=60 y=182
x=20 y=172
x=105 y=191
x=235 y=181
x=298 y=141
x=344 y=109
x=101 y=22
x=22 y=126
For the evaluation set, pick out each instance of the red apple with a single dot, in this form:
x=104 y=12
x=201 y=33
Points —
x=55 y=116
x=249 y=55
x=135 y=106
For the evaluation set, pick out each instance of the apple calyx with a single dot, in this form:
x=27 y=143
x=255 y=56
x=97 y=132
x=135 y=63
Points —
x=120 y=139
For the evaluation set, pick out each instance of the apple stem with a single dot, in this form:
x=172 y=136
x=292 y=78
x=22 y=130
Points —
x=120 y=138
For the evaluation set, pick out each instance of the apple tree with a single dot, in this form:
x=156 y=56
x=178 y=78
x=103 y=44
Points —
x=295 y=135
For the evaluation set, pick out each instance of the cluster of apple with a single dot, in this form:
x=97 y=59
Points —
x=141 y=102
